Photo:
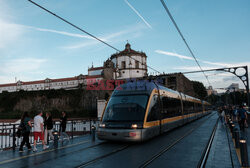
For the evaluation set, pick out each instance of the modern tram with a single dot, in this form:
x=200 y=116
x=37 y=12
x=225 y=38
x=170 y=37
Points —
x=138 y=111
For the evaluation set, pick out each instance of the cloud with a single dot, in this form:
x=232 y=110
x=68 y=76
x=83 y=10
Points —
x=232 y=78
x=138 y=14
x=218 y=64
x=173 y=54
x=218 y=79
x=61 y=32
x=215 y=64
x=114 y=37
x=10 y=33
x=22 y=68
x=22 y=65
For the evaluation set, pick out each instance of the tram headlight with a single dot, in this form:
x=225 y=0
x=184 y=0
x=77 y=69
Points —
x=134 y=126
x=102 y=125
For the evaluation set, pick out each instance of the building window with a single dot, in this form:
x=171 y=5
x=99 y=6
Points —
x=123 y=64
x=137 y=64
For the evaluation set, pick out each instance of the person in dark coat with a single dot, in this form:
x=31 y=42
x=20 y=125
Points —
x=63 y=125
x=25 y=121
x=242 y=117
x=48 y=125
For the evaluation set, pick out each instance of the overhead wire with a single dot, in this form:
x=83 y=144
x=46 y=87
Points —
x=91 y=35
x=176 y=26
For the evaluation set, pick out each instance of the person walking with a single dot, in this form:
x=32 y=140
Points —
x=63 y=125
x=26 y=126
x=242 y=117
x=48 y=125
x=222 y=115
x=235 y=113
x=38 y=130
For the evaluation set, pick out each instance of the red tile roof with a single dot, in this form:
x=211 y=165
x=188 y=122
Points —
x=8 y=84
x=40 y=81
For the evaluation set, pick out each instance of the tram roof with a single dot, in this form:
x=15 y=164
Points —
x=146 y=87
x=133 y=87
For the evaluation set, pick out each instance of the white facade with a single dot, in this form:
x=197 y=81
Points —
x=47 y=84
x=130 y=63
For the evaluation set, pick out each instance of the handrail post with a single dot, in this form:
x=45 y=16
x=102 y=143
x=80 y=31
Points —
x=14 y=137
x=243 y=153
x=72 y=129
x=90 y=126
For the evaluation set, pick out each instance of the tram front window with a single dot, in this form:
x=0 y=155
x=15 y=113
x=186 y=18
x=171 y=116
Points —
x=126 y=108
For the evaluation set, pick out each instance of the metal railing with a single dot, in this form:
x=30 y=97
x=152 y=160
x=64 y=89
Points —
x=9 y=139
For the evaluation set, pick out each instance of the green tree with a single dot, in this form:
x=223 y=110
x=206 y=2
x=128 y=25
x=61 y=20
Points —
x=199 y=90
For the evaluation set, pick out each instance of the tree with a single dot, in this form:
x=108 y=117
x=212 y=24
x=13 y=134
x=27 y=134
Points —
x=199 y=90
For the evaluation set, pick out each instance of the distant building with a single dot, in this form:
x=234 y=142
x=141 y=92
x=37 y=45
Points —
x=233 y=87
x=47 y=84
x=211 y=91
x=127 y=64
x=177 y=81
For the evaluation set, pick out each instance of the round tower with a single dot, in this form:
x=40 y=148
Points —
x=129 y=63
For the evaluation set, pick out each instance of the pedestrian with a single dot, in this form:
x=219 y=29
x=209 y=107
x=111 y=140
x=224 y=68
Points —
x=39 y=130
x=222 y=115
x=242 y=117
x=235 y=113
x=48 y=125
x=63 y=126
x=26 y=127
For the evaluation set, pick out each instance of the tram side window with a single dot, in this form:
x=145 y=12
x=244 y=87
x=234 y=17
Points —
x=154 y=109
x=196 y=107
x=200 y=108
x=188 y=107
x=171 y=107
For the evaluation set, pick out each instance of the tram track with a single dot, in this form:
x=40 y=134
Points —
x=205 y=154
x=74 y=151
x=84 y=164
x=164 y=150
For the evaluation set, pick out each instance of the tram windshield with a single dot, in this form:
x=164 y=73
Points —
x=126 y=108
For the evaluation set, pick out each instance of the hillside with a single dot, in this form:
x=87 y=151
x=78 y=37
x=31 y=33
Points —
x=77 y=103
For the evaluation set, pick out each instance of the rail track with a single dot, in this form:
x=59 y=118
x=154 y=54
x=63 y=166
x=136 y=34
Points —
x=160 y=153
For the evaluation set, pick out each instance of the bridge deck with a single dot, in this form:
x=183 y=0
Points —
x=183 y=149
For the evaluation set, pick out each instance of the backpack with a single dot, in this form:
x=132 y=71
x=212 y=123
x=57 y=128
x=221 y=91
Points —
x=21 y=129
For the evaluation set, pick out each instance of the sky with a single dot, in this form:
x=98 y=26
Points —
x=35 y=45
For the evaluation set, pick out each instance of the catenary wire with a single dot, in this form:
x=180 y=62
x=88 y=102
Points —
x=172 y=19
x=59 y=17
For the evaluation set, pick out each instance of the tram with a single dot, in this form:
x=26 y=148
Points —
x=138 y=111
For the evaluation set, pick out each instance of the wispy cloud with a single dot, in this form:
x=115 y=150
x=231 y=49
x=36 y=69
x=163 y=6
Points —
x=22 y=65
x=216 y=78
x=191 y=58
x=22 y=68
x=114 y=37
x=10 y=33
x=173 y=54
x=138 y=14
x=61 y=32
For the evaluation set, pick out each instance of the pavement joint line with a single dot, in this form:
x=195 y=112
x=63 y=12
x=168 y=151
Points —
x=40 y=153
